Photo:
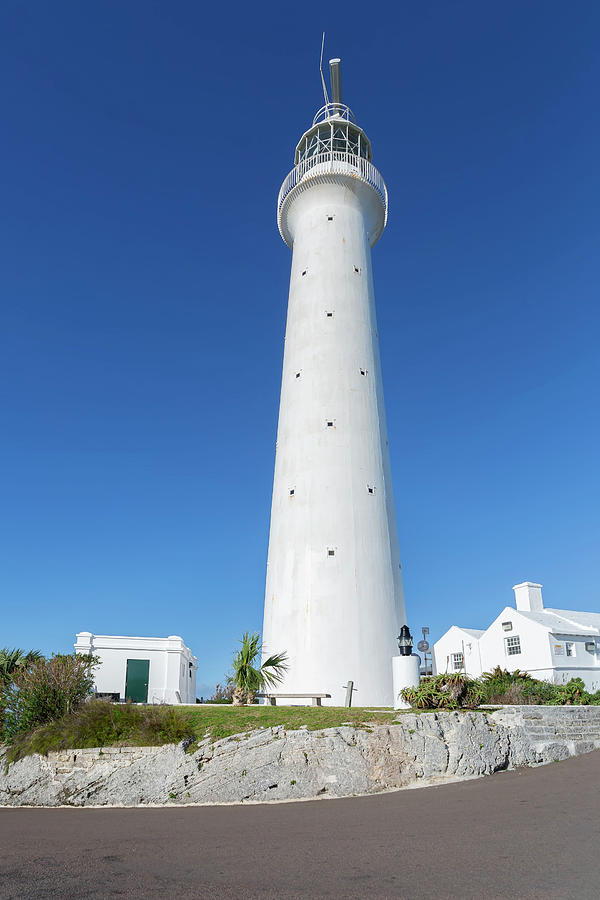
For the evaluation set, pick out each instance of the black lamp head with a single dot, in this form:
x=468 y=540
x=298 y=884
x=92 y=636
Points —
x=405 y=641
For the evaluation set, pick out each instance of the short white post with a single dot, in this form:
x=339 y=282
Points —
x=405 y=673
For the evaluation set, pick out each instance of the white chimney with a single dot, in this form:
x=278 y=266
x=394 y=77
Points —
x=528 y=596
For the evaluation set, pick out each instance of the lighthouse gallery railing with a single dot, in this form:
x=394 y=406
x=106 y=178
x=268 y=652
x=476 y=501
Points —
x=335 y=162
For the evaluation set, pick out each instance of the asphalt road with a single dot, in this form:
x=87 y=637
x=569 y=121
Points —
x=533 y=833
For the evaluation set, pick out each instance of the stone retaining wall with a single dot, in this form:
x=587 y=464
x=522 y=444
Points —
x=569 y=729
x=275 y=764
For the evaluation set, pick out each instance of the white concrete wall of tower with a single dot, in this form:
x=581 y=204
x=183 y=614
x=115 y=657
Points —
x=334 y=598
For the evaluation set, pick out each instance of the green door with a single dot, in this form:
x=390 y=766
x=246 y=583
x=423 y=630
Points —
x=136 y=685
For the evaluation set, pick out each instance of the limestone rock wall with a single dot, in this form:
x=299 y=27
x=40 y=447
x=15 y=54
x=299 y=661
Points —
x=275 y=764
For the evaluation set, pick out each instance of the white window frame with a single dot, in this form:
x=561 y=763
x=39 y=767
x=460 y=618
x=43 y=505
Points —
x=458 y=661
x=510 y=645
x=570 y=649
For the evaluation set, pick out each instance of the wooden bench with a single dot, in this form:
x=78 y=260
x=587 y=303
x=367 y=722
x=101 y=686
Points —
x=272 y=698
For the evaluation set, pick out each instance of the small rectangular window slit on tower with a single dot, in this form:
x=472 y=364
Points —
x=330 y=551
x=330 y=218
x=297 y=374
x=357 y=270
x=363 y=371
x=305 y=271
x=370 y=489
x=292 y=492
x=329 y=315
x=330 y=423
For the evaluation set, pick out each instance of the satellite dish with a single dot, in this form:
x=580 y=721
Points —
x=423 y=646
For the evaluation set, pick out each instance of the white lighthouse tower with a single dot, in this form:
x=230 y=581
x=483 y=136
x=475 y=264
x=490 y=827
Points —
x=334 y=599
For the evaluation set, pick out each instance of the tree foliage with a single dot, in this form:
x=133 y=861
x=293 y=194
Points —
x=45 y=690
x=13 y=660
x=248 y=677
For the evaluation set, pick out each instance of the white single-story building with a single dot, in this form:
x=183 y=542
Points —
x=551 y=644
x=141 y=669
x=458 y=649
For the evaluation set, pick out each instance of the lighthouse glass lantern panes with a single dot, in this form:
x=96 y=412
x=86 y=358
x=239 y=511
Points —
x=335 y=136
x=340 y=140
x=513 y=646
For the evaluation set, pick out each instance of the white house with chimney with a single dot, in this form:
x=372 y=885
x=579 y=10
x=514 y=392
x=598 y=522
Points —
x=141 y=669
x=551 y=644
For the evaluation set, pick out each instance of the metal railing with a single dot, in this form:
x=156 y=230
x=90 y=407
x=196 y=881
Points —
x=334 y=111
x=335 y=162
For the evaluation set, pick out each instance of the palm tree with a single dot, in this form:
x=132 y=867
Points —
x=247 y=677
x=12 y=660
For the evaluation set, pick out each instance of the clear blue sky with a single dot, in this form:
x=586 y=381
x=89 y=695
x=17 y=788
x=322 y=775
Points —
x=144 y=289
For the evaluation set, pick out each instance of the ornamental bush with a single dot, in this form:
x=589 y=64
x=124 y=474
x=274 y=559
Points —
x=46 y=690
x=458 y=691
x=450 y=691
x=573 y=692
x=517 y=687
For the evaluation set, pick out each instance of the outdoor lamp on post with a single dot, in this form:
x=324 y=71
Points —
x=405 y=641
x=405 y=668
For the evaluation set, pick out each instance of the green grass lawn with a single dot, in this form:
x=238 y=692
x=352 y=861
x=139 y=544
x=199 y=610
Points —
x=102 y=724
x=222 y=721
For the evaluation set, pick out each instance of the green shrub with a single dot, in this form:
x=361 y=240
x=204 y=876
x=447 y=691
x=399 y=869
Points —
x=456 y=691
x=46 y=690
x=543 y=693
x=515 y=688
x=450 y=691
x=502 y=686
x=573 y=692
x=100 y=724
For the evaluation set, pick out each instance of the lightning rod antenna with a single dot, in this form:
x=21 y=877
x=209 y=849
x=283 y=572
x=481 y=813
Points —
x=321 y=71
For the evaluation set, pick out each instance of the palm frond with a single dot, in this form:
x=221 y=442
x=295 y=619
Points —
x=11 y=660
x=249 y=677
x=273 y=669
